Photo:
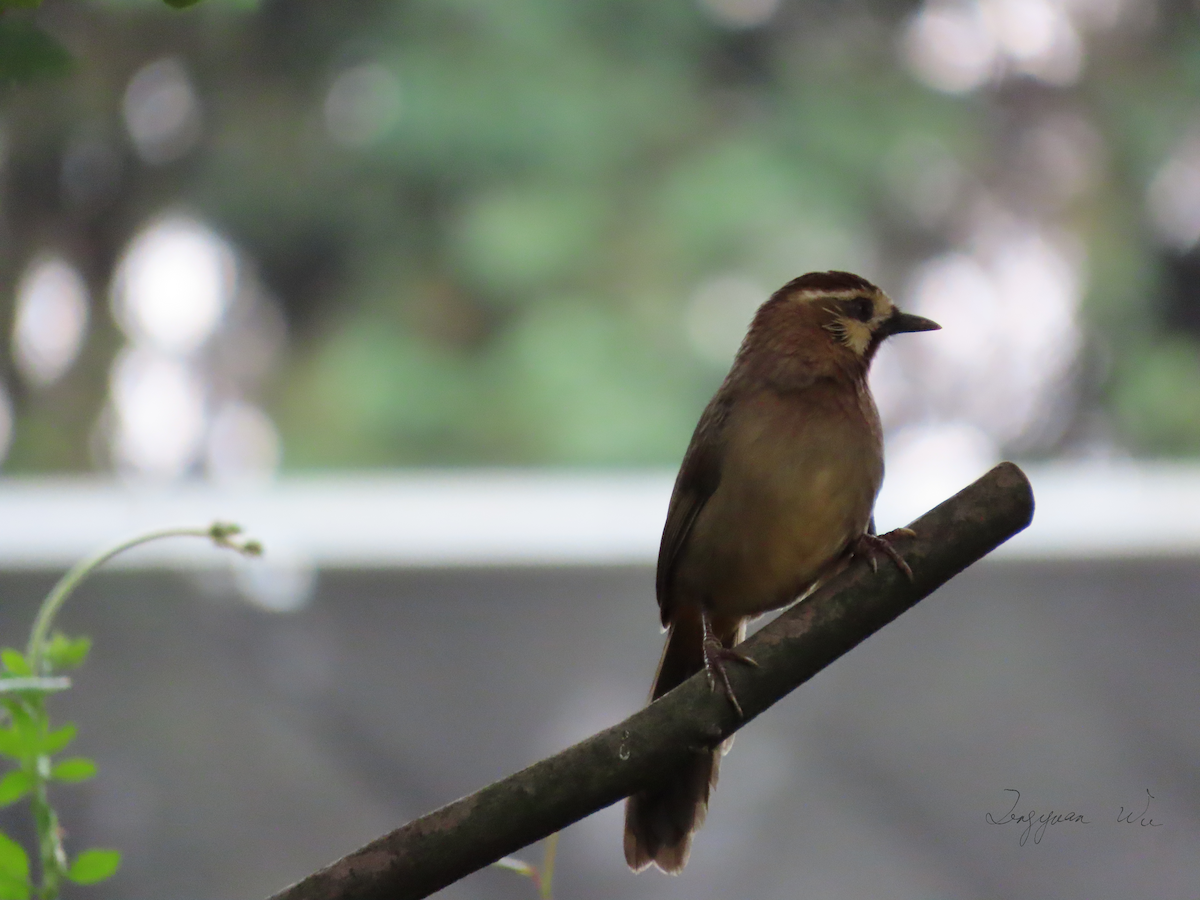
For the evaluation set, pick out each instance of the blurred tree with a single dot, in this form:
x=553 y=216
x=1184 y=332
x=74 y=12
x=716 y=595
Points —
x=531 y=232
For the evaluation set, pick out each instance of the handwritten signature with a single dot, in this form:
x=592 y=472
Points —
x=1036 y=825
x=1142 y=819
x=1031 y=818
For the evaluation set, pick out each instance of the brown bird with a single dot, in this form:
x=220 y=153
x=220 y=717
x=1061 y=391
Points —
x=775 y=492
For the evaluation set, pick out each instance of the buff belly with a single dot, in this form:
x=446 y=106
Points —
x=786 y=512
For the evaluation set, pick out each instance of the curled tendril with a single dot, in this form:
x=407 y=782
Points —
x=223 y=534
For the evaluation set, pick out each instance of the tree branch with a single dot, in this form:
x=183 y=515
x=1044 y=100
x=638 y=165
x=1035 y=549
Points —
x=439 y=848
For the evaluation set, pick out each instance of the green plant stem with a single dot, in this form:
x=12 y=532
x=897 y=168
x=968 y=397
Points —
x=52 y=855
x=219 y=534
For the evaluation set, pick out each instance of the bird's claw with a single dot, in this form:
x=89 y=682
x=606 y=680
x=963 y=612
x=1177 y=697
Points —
x=871 y=545
x=716 y=655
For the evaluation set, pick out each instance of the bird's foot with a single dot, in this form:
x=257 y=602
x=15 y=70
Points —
x=870 y=546
x=716 y=655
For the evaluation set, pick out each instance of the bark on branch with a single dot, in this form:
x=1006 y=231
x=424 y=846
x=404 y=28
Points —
x=439 y=848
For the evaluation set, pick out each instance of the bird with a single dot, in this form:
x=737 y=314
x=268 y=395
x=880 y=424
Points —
x=775 y=493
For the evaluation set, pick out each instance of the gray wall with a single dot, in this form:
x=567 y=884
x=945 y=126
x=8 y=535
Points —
x=239 y=749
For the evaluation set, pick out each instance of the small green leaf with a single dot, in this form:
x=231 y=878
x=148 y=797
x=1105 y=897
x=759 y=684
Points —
x=70 y=771
x=13 y=888
x=27 y=722
x=13 y=861
x=14 y=785
x=57 y=740
x=91 y=866
x=15 y=744
x=62 y=653
x=15 y=663
x=28 y=53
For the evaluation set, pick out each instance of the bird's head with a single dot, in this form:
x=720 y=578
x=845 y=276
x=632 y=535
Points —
x=834 y=314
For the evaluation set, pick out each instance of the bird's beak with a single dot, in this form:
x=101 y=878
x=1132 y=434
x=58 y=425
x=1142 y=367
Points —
x=899 y=322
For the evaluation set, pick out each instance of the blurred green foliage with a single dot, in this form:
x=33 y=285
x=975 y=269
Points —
x=497 y=268
x=28 y=743
x=28 y=53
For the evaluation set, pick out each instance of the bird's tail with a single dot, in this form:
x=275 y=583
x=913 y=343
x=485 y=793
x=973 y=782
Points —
x=660 y=821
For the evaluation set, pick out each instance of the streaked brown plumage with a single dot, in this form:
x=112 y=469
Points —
x=775 y=491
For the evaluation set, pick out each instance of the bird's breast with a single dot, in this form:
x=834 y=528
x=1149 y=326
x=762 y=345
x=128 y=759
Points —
x=798 y=481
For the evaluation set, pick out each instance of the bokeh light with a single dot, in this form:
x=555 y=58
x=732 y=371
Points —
x=176 y=390
x=1174 y=196
x=950 y=47
x=162 y=111
x=1038 y=38
x=1008 y=314
x=242 y=445
x=6 y=421
x=50 y=320
x=363 y=102
x=159 y=403
x=957 y=46
x=173 y=285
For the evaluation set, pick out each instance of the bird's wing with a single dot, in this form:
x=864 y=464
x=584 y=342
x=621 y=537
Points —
x=699 y=475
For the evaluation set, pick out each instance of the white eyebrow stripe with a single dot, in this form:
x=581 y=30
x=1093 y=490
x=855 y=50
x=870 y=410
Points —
x=809 y=294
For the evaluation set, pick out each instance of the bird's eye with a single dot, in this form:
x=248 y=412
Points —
x=861 y=308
